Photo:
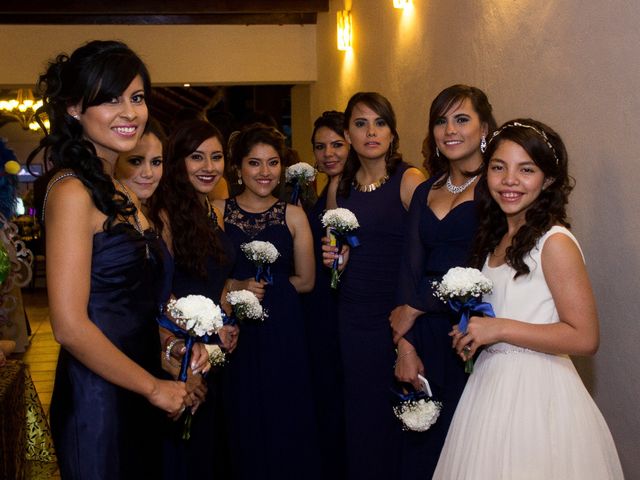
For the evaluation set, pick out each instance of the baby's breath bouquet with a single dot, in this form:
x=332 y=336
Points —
x=462 y=288
x=262 y=254
x=340 y=223
x=299 y=175
x=217 y=357
x=417 y=410
x=246 y=306
x=194 y=318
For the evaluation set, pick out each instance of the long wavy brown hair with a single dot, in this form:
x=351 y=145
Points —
x=193 y=233
x=546 y=211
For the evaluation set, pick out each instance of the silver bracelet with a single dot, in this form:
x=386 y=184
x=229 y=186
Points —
x=167 y=352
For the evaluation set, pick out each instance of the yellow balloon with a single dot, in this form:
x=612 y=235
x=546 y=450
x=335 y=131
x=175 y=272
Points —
x=12 y=167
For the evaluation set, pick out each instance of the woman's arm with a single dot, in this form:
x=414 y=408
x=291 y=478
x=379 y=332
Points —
x=71 y=222
x=304 y=275
x=411 y=178
x=577 y=332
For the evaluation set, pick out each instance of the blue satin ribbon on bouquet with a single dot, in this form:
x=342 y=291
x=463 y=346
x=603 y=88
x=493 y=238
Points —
x=473 y=305
x=189 y=340
x=264 y=272
x=295 y=194
x=342 y=238
x=412 y=396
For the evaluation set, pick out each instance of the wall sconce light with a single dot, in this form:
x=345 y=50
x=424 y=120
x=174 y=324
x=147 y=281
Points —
x=401 y=3
x=345 y=31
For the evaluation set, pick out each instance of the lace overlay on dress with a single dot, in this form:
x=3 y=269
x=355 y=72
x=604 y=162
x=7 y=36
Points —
x=254 y=223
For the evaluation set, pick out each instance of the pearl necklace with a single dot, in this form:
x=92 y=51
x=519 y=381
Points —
x=456 y=189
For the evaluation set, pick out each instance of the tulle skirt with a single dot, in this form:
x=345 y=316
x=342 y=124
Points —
x=527 y=415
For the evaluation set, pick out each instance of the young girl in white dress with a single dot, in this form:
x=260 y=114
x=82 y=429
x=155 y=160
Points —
x=525 y=413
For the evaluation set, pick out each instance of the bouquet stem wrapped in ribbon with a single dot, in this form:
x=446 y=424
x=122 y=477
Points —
x=197 y=319
x=299 y=175
x=462 y=288
x=340 y=223
x=262 y=254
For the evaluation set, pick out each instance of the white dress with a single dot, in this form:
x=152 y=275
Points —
x=526 y=414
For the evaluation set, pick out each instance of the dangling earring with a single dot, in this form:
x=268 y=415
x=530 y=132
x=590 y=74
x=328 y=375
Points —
x=483 y=144
x=437 y=152
x=76 y=116
x=239 y=179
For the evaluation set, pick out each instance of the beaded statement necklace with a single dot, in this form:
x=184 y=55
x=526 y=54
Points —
x=456 y=189
x=371 y=186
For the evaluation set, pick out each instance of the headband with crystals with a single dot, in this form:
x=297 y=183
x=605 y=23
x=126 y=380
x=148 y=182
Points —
x=535 y=129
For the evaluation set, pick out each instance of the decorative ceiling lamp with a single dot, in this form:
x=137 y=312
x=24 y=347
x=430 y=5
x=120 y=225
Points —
x=23 y=109
x=401 y=3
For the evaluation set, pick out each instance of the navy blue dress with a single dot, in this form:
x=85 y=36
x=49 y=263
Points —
x=320 y=312
x=268 y=396
x=102 y=431
x=433 y=247
x=367 y=294
x=205 y=454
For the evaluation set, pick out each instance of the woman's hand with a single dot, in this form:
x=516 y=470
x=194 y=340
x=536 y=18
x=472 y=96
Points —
x=480 y=331
x=170 y=396
x=402 y=319
x=255 y=287
x=330 y=253
x=199 y=356
x=408 y=365
x=229 y=337
x=196 y=389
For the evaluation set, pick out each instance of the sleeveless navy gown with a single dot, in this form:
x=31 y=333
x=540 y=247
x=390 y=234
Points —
x=268 y=396
x=367 y=294
x=102 y=431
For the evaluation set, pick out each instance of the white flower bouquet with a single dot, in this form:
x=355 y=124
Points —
x=418 y=410
x=262 y=254
x=300 y=175
x=340 y=223
x=462 y=288
x=196 y=318
x=246 y=305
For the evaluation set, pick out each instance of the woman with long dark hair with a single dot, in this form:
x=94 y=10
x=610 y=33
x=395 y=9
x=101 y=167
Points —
x=377 y=186
x=525 y=408
x=103 y=271
x=442 y=223
x=203 y=258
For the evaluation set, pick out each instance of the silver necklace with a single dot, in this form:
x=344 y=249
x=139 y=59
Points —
x=456 y=189
x=136 y=220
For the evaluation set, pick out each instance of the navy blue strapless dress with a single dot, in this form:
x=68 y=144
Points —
x=433 y=247
x=367 y=294
x=205 y=454
x=320 y=312
x=100 y=430
x=268 y=396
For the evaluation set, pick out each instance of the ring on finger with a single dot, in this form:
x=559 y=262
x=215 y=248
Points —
x=467 y=348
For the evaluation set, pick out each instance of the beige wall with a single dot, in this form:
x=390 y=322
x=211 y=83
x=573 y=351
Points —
x=571 y=64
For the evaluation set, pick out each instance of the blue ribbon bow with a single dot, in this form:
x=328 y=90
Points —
x=473 y=305
x=189 y=340
x=295 y=194
x=264 y=272
x=342 y=238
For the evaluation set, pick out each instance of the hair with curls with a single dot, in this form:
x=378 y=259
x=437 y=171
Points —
x=330 y=119
x=241 y=143
x=448 y=98
x=382 y=107
x=93 y=74
x=547 y=210
x=193 y=233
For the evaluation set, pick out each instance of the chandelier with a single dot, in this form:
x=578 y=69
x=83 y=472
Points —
x=22 y=109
